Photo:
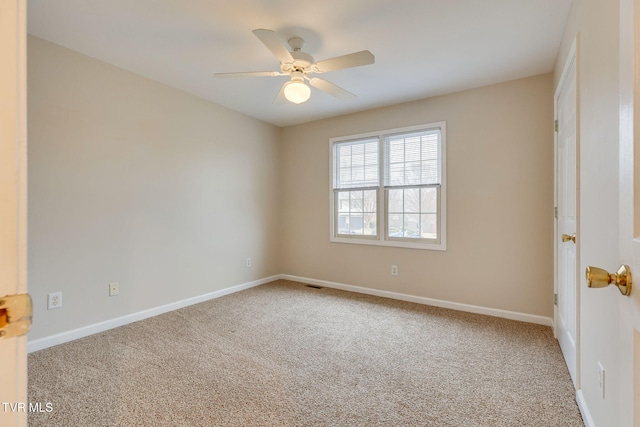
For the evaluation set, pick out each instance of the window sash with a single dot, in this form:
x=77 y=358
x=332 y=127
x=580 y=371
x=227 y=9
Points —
x=365 y=215
x=356 y=164
x=413 y=158
x=419 y=213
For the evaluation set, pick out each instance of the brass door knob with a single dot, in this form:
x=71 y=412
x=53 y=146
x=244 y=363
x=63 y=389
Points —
x=567 y=238
x=599 y=278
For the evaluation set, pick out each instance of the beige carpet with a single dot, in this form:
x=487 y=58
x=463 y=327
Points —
x=284 y=354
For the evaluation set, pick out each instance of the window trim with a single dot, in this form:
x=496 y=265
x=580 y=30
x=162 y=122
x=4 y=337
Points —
x=382 y=193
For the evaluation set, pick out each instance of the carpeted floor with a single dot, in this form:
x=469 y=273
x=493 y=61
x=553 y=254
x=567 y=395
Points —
x=284 y=354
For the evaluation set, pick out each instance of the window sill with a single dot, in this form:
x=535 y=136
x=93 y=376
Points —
x=390 y=243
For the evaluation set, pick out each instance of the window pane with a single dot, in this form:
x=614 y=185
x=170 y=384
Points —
x=412 y=150
x=412 y=173
x=344 y=154
x=357 y=176
x=343 y=223
x=429 y=226
x=396 y=151
x=429 y=172
x=396 y=201
x=371 y=173
x=357 y=155
x=343 y=201
x=429 y=200
x=412 y=226
x=394 y=224
x=370 y=207
x=395 y=174
x=370 y=201
x=412 y=200
x=355 y=201
x=355 y=224
x=371 y=151
x=370 y=224
x=430 y=147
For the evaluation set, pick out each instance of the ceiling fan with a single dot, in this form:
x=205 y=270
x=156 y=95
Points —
x=300 y=66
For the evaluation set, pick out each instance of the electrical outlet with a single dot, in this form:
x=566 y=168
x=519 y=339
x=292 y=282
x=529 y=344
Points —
x=249 y=262
x=394 y=270
x=54 y=300
x=114 y=289
x=601 y=378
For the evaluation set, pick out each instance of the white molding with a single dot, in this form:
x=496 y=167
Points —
x=523 y=317
x=584 y=409
x=95 y=328
x=571 y=57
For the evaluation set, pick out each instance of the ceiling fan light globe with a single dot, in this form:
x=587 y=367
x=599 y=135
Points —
x=297 y=92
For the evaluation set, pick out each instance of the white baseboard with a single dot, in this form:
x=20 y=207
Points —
x=523 y=317
x=95 y=328
x=584 y=410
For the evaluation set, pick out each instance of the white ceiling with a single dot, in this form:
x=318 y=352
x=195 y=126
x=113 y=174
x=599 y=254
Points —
x=422 y=47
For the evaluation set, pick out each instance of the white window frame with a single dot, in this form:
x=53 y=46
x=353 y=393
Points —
x=382 y=207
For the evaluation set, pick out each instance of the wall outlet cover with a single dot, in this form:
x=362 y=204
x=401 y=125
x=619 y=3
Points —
x=54 y=300
x=394 y=270
x=114 y=289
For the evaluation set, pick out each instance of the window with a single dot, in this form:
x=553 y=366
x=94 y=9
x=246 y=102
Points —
x=388 y=188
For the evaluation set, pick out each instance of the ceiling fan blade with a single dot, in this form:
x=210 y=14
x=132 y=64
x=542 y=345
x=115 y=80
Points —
x=280 y=99
x=248 y=74
x=364 y=57
x=271 y=40
x=331 y=89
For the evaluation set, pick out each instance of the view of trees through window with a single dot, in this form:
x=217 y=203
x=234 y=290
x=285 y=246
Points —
x=413 y=213
x=357 y=212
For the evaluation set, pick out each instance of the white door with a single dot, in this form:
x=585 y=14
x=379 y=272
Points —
x=13 y=216
x=629 y=189
x=566 y=203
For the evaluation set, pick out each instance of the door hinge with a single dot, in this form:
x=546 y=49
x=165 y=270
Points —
x=16 y=312
x=555 y=299
x=555 y=125
x=555 y=212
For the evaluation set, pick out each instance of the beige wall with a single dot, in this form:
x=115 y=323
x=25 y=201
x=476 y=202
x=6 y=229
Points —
x=500 y=201
x=167 y=194
x=134 y=182
x=597 y=22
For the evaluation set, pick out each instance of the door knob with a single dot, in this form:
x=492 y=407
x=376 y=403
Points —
x=599 y=278
x=567 y=238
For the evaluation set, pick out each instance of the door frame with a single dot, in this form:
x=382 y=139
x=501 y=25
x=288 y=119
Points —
x=572 y=58
x=628 y=308
x=13 y=199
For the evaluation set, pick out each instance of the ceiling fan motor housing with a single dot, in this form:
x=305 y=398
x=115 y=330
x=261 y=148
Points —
x=302 y=62
x=297 y=76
